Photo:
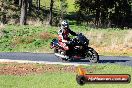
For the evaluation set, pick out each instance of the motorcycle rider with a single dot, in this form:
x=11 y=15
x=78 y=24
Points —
x=63 y=34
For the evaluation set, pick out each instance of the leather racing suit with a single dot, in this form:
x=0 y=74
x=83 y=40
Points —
x=63 y=35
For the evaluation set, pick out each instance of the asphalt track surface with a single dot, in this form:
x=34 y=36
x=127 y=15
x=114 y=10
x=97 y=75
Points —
x=122 y=60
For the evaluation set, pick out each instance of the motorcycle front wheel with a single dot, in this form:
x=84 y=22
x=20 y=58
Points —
x=92 y=55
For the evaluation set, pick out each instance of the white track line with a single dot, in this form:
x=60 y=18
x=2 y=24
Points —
x=41 y=62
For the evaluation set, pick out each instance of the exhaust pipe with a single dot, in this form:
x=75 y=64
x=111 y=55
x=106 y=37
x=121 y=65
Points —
x=62 y=56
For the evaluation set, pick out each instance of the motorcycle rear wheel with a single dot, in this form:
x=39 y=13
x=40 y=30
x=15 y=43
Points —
x=92 y=55
x=63 y=59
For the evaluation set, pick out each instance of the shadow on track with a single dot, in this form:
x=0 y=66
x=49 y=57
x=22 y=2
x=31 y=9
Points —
x=112 y=61
x=101 y=61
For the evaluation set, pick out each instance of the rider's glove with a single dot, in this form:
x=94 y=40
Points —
x=68 y=42
x=77 y=34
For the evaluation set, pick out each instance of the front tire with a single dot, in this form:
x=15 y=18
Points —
x=92 y=55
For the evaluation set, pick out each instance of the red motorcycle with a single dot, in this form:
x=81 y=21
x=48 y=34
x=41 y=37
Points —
x=78 y=49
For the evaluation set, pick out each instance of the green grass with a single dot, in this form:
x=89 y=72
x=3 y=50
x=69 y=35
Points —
x=24 y=38
x=27 y=38
x=109 y=69
x=70 y=3
x=63 y=80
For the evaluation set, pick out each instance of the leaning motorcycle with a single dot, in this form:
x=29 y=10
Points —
x=78 y=49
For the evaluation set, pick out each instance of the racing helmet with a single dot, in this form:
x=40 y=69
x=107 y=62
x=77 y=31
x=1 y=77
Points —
x=64 y=24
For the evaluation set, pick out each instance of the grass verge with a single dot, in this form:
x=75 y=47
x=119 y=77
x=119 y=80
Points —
x=108 y=41
x=63 y=79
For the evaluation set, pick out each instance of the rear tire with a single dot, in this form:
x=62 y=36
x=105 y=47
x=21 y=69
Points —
x=63 y=59
x=92 y=55
x=66 y=60
x=55 y=50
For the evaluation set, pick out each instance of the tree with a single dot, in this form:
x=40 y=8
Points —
x=63 y=6
x=23 y=16
x=122 y=14
x=38 y=5
x=30 y=6
x=20 y=3
x=3 y=12
x=16 y=2
x=51 y=12
x=106 y=12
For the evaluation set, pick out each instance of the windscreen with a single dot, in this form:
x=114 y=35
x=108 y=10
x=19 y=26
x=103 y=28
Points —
x=82 y=39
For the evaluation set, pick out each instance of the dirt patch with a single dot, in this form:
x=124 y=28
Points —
x=46 y=35
x=25 y=69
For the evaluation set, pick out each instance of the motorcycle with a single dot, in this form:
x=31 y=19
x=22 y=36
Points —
x=78 y=50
